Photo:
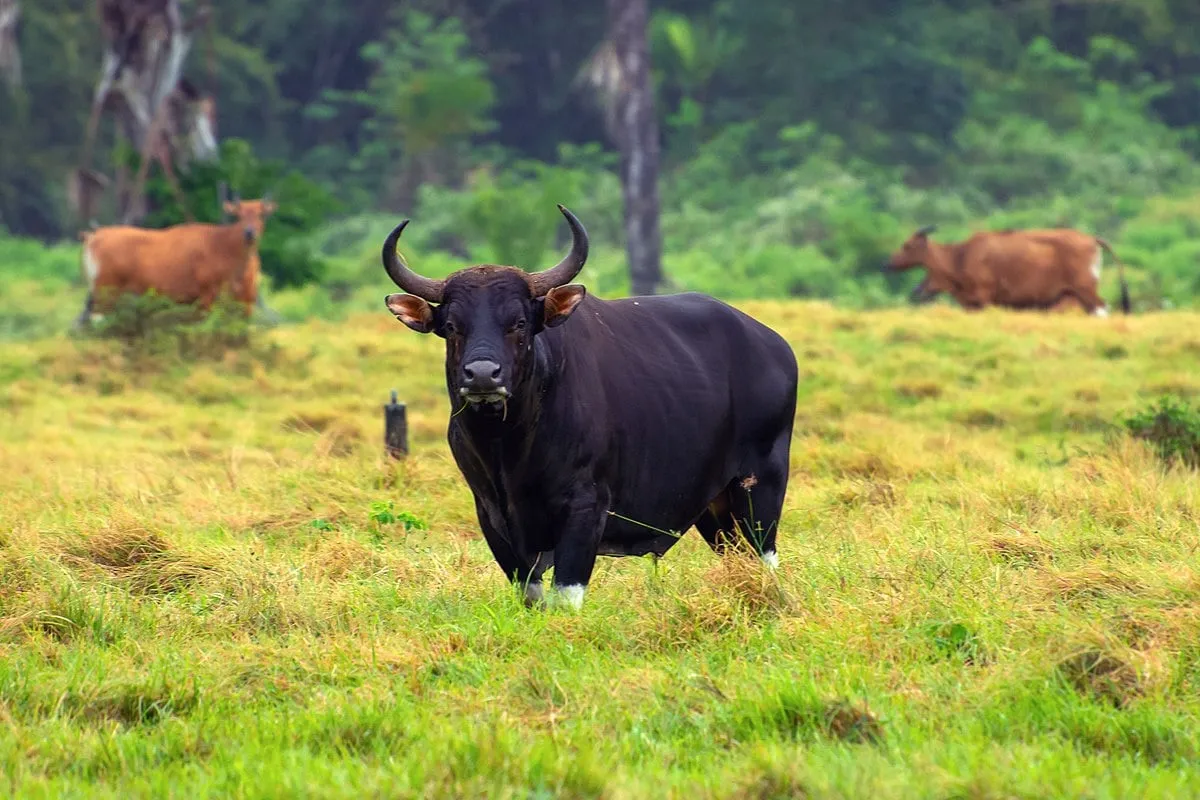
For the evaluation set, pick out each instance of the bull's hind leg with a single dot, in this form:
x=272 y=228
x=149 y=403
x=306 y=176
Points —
x=757 y=502
x=716 y=523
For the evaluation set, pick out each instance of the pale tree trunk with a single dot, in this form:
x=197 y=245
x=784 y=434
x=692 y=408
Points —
x=10 y=56
x=146 y=44
x=635 y=130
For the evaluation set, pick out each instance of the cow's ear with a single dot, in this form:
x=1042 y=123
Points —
x=560 y=302
x=412 y=311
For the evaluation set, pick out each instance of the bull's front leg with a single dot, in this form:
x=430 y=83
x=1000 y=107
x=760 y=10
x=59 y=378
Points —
x=526 y=576
x=575 y=548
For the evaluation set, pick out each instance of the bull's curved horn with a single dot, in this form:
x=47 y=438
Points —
x=928 y=229
x=562 y=272
x=424 y=288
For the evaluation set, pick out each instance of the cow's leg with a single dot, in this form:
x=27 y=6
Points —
x=757 y=501
x=575 y=552
x=518 y=570
x=85 y=317
x=1092 y=302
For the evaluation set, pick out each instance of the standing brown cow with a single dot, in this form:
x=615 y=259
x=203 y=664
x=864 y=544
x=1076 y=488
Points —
x=190 y=263
x=1033 y=269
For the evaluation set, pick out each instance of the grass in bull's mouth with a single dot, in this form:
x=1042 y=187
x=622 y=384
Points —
x=213 y=581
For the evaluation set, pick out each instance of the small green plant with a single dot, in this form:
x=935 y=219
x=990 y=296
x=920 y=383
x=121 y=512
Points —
x=385 y=514
x=1172 y=426
x=956 y=640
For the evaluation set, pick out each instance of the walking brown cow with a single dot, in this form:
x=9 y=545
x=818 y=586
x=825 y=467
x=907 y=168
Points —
x=190 y=263
x=1033 y=269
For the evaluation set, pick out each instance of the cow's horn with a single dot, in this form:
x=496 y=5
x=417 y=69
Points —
x=562 y=272
x=928 y=229
x=424 y=288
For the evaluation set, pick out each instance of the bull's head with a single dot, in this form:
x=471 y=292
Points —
x=914 y=252
x=251 y=215
x=488 y=315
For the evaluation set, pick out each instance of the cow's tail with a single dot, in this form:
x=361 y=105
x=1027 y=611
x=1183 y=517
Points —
x=1126 y=306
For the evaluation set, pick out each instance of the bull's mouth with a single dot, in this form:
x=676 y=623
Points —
x=487 y=398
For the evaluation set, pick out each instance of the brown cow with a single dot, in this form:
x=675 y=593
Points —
x=1033 y=269
x=190 y=263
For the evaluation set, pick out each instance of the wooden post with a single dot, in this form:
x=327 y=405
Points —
x=395 y=428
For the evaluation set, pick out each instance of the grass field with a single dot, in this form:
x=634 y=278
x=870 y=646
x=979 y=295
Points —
x=213 y=583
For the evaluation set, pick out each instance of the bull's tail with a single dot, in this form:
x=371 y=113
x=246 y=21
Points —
x=1126 y=306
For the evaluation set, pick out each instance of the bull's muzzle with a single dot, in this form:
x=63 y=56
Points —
x=250 y=235
x=482 y=382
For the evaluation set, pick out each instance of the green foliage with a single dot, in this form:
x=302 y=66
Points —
x=427 y=89
x=1172 y=426
x=800 y=143
x=514 y=211
x=287 y=259
x=154 y=325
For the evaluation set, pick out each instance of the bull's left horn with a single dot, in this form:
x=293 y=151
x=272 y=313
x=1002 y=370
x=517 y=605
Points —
x=564 y=271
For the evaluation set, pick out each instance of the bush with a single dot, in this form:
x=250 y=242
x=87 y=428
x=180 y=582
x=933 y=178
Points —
x=151 y=324
x=1172 y=426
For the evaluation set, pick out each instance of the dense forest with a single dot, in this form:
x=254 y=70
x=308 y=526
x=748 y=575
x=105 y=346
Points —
x=800 y=140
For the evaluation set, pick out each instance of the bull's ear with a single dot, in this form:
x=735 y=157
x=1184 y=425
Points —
x=230 y=207
x=412 y=311
x=560 y=302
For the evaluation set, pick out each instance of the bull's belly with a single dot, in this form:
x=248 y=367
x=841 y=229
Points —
x=629 y=536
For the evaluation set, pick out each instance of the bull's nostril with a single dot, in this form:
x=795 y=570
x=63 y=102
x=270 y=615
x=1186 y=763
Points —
x=496 y=372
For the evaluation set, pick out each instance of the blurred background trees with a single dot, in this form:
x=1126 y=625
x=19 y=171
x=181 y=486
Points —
x=798 y=141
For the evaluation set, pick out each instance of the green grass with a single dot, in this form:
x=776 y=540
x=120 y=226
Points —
x=987 y=589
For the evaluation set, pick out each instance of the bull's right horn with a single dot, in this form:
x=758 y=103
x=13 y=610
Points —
x=425 y=288
x=928 y=229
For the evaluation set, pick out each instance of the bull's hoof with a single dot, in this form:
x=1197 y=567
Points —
x=535 y=596
x=567 y=597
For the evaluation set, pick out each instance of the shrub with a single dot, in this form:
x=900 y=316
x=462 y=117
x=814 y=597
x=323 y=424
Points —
x=1172 y=426
x=151 y=324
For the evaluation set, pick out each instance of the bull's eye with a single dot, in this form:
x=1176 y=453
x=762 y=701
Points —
x=517 y=326
x=449 y=329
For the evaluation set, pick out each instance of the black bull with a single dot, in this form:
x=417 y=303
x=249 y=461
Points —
x=590 y=427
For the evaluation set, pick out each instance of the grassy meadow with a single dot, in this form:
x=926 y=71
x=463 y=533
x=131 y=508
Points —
x=212 y=582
